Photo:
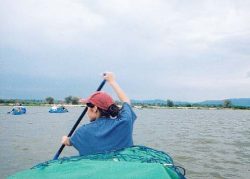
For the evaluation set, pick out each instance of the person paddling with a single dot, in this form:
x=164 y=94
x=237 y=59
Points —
x=110 y=127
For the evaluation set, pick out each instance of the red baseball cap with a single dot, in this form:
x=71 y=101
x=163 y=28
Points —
x=99 y=99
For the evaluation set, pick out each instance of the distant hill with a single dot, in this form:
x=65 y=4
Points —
x=235 y=102
x=158 y=101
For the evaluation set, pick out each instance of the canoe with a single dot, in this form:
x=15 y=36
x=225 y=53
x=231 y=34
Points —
x=58 y=110
x=18 y=110
x=137 y=162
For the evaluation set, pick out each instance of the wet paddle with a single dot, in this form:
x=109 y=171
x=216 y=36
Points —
x=76 y=124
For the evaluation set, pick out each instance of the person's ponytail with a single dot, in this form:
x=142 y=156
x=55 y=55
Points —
x=112 y=111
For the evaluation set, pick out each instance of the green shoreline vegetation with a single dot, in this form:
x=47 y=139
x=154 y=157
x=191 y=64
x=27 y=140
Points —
x=168 y=104
x=188 y=106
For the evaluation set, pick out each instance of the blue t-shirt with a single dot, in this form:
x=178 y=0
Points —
x=105 y=134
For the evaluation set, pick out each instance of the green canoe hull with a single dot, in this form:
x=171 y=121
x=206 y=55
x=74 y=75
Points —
x=136 y=162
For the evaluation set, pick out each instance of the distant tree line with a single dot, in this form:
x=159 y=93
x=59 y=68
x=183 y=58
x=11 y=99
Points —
x=48 y=100
x=27 y=102
x=67 y=100
x=75 y=100
x=170 y=103
x=72 y=100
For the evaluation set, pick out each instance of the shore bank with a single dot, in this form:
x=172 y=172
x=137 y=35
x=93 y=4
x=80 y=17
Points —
x=141 y=107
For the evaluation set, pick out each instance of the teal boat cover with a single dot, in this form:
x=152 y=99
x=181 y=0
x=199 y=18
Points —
x=136 y=162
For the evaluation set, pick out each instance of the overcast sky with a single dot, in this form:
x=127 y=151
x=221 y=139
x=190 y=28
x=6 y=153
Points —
x=180 y=50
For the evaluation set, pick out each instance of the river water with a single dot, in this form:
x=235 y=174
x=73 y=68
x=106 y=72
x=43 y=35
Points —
x=208 y=143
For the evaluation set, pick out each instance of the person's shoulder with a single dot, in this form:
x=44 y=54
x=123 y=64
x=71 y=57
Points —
x=126 y=104
x=95 y=123
x=88 y=126
x=127 y=111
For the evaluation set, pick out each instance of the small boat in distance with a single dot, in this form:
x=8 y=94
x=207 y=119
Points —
x=18 y=110
x=58 y=109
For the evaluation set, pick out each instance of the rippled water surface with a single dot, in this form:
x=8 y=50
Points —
x=208 y=143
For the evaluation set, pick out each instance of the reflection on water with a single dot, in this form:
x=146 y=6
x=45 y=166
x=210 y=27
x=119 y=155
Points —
x=208 y=143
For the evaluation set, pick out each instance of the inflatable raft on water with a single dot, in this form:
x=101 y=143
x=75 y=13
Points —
x=58 y=109
x=136 y=162
x=18 y=110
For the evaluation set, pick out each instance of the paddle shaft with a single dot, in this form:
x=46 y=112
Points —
x=76 y=124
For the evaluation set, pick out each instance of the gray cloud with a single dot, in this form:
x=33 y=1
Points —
x=158 y=49
x=248 y=74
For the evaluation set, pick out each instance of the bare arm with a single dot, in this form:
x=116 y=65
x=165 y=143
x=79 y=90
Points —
x=119 y=92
